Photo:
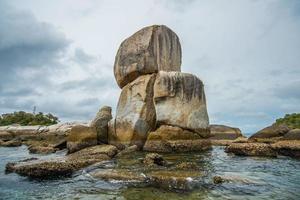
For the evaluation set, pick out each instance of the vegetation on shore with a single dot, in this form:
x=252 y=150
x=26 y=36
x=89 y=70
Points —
x=291 y=120
x=25 y=119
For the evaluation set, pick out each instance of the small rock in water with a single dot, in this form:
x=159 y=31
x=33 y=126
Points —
x=154 y=159
x=41 y=149
x=11 y=143
x=218 y=180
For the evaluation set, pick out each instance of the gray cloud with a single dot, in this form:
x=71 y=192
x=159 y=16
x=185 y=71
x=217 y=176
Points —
x=246 y=53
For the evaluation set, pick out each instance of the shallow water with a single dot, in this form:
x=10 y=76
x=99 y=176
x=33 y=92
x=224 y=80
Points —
x=251 y=178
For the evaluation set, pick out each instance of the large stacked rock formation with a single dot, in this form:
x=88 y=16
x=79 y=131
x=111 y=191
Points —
x=156 y=95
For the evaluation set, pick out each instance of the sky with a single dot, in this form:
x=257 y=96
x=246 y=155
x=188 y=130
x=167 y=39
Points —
x=58 y=55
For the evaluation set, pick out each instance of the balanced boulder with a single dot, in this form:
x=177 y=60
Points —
x=180 y=101
x=152 y=49
x=100 y=123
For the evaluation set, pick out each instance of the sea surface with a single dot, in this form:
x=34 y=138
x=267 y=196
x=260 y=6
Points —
x=251 y=178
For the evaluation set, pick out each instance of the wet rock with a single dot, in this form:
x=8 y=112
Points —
x=222 y=132
x=154 y=159
x=174 y=180
x=273 y=131
x=42 y=150
x=251 y=149
x=219 y=142
x=101 y=123
x=288 y=148
x=81 y=137
x=180 y=101
x=135 y=115
x=218 y=180
x=293 y=134
x=175 y=139
x=65 y=166
x=187 y=166
x=11 y=143
x=127 y=150
x=152 y=49
x=119 y=175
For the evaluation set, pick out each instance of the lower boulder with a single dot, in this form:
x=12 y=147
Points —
x=175 y=139
x=288 y=148
x=135 y=115
x=80 y=137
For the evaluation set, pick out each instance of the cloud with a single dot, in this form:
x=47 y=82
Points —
x=246 y=53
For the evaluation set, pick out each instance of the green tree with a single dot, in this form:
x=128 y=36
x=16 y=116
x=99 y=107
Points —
x=25 y=119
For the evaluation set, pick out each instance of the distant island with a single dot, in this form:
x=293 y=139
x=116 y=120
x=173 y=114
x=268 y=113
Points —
x=26 y=119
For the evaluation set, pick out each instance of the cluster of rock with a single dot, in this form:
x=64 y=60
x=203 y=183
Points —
x=271 y=141
x=158 y=103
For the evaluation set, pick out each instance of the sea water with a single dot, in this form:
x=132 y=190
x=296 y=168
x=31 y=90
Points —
x=250 y=178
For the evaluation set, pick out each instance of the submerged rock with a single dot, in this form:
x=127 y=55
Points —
x=45 y=169
x=180 y=101
x=119 y=175
x=81 y=137
x=151 y=49
x=251 y=149
x=101 y=123
x=135 y=115
x=175 y=139
x=218 y=180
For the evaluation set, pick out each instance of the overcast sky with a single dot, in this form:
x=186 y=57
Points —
x=58 y=55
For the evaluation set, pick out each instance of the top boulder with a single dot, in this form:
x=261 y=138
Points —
x=151 y=49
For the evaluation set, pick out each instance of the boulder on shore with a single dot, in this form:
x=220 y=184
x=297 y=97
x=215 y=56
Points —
x=274 y=131
x=151 y=49
x=293 y=134
x=179 y=100
x=222 y=132
x=175 y=139
x=288 y=148
x=135 y=115
x=81 y=137
x=101 y=123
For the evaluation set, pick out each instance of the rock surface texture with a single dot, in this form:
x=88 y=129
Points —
x=152 y=49
x=100 y=123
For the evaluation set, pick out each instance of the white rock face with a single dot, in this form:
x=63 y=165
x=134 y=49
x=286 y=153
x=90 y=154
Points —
x=135 y=115
x=179 y=100
x=151 y=49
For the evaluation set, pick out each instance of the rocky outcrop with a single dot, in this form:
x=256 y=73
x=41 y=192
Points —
x=288 y=148
x=175 y=139
x=222 y=132
x=81 y=137
x=274 y=131
x=135 y=115
x=65 y=166
x=180 y=101
x=251 y=149
x=293 y=134
x=100 y=123
x=152 y=49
